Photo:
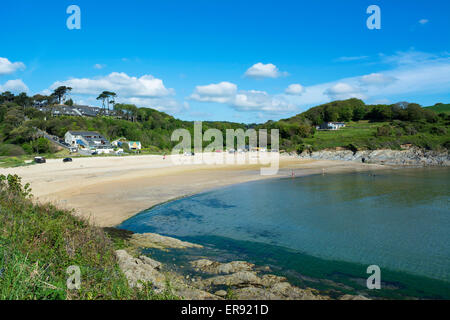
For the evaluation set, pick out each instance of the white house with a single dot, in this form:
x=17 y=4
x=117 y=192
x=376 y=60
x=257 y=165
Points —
x=88 y=140
x=331 y=126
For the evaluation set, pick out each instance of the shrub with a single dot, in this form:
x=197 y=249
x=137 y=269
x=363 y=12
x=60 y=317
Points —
x=440 y=131
x=11 y=150
x=384 y=131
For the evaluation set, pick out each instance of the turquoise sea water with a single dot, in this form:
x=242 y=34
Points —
x=396 y=219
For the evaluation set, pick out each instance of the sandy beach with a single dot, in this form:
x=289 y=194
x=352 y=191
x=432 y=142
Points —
x=109 y=190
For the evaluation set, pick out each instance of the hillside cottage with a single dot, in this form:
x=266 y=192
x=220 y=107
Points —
x=88 y=140
x=331 y=126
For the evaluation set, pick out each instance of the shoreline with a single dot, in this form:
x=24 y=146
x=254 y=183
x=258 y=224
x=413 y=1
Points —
x=96 y=180
x=109 y=190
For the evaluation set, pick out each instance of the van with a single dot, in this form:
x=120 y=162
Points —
x=39 y=159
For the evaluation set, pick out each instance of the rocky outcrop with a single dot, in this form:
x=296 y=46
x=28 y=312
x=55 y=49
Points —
x=214 y=267
x=247 y=284
x=409 y=157
x=232 y=280
x=142 y=269
x=146 y=270
x=153 y=240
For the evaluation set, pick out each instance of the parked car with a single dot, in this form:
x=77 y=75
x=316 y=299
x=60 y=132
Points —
x=67 y=160
x=39 y=160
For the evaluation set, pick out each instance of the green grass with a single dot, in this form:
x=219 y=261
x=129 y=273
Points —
x=362 y=135
x=38 y=242
x=11 y=162
x=440 y=107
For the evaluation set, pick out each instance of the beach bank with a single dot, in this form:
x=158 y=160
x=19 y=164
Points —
x=109 y=190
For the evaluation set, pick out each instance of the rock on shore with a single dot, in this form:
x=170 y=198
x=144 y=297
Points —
x=147 y=270
x=238 y=277
x=214 y=267
x=410 y=157
x=248 y=284
x=153 y=240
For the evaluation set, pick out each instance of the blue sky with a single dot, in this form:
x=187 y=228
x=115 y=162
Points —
x=245 y=61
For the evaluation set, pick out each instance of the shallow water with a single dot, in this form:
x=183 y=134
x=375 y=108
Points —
x=397 y=219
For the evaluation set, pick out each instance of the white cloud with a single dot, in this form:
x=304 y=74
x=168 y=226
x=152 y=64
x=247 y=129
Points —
x=169 y=105
x=412 y=73
x=252 y=100
x=217 y=92
x=342 y=90
x=411 y=57
x=260 y=70
x=295 y=89
x=423 y=21
x=15 y=86
x=354 y=58
x=120 y=83
x=8 y=67
x=99 y=66
x=376 y=79
x=146 y=91
x=46 y=92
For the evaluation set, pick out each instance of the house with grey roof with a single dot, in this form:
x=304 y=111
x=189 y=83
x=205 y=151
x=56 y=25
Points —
x=88 y=141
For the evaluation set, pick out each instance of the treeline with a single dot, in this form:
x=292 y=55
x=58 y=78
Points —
x=355 y=110
x=19 y=120
x=406 y=119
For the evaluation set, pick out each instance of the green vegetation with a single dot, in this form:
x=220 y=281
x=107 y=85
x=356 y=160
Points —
x=19 y=120
x=440 y=107
x=365 y=135
x=38 y=242
x=368 y=126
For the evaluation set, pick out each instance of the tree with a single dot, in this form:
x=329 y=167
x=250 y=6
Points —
x=345 y=113
x=359 y=113
x=61 y=92
x=7 y=96
x=69 y=103
x=414 y=112
x=102 y=96
x=331 y=114
x=111 y=98
x=23 y=100
x=107 y=97
x=39 y=98
x=41 y=145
